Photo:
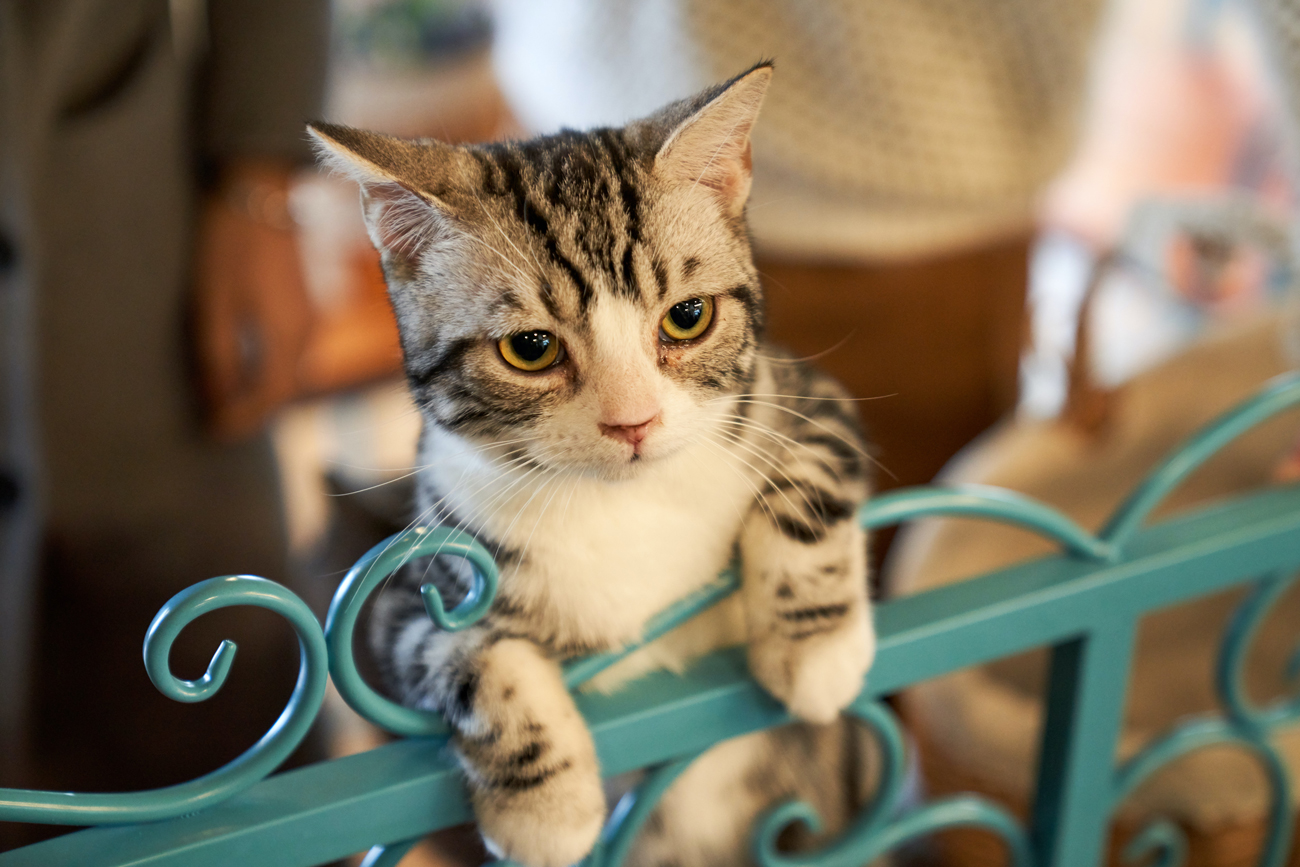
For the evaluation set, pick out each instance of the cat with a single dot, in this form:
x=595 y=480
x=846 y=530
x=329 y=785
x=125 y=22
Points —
x=581 y=323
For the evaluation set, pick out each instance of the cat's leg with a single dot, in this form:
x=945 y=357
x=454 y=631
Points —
x=810 y=635
x=528 y=757
x=811 y=639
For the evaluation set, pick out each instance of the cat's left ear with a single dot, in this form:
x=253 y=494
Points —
x=711 y=146
x=397 y=179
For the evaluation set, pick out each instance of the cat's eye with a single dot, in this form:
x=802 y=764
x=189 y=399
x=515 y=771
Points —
x=530 y=350
x=687 y=320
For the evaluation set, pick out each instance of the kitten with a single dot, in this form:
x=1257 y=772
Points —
x=581 y=322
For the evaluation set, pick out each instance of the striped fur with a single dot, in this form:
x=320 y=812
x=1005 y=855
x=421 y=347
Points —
x=594 y=237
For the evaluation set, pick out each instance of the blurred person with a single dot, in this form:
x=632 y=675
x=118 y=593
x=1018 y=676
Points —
x=896 y=174
x=145 y=148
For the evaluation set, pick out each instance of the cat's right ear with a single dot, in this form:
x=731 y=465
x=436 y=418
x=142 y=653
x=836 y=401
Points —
x=402 y=216
x=709 y=147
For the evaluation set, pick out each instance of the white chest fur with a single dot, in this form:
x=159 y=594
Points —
x=601 y=558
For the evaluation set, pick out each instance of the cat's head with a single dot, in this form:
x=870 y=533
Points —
x=587 y=297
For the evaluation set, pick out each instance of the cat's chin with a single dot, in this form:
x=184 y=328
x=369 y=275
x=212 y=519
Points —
x=628 y=469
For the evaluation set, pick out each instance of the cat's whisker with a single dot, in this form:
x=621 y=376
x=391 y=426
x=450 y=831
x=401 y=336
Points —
x=772 y=432
x=836 y=434
x=546 y=481
x=800 y=397
x=772 y=359
x=376 y=486
x=527 y=278
x=496 y=497
x=416 y=468
x=507 y=466
x=419 y=520
x=532 y=255
x=823 y=428
x=753 y=449
x=767 y=431
x=542 y=512
x=481 y=514
x=576 y=479
x=718 y=448
x=477 y=514
x=771 y=484
x=740 y=516
x=523 y=275
x=393 y=540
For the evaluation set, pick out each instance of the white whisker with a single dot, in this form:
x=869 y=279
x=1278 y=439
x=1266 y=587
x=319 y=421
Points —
x=753 y=449
x=711 y=444
x=801 y=397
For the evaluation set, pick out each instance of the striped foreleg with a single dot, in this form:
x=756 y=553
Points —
x=811 y=639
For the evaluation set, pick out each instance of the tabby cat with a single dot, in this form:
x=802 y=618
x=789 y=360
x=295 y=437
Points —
x=581 y=322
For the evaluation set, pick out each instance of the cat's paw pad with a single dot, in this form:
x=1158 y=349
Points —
x=553 y=822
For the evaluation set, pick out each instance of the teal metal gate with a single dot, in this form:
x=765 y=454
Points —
x=1084 y=603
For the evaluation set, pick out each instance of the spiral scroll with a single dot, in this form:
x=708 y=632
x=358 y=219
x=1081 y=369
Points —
x=74 y=808
x=1165 y=840
x=369 y=573
x=879 y=829
x=1231 y=666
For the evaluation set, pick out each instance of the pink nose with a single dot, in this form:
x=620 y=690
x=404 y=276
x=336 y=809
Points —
x=628 y=433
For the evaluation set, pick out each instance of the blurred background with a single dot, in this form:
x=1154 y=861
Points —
x=1057 y=235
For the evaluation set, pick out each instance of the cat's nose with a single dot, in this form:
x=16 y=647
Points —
x=628 y=433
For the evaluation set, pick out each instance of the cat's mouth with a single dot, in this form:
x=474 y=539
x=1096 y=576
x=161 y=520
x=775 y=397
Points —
x=630 y=461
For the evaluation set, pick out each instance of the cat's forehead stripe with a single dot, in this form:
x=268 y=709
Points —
x=579 y=195
x=512 y=175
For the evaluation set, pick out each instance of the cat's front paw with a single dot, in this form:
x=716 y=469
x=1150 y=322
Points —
x=815 y=676
x=536 y=823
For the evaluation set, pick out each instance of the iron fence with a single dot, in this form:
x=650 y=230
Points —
x=1084 y=603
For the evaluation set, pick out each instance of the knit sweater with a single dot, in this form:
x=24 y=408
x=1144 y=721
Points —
x=892 y=128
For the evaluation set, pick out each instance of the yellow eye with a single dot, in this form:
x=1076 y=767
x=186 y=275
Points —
x=530 y=350
x=688 y=319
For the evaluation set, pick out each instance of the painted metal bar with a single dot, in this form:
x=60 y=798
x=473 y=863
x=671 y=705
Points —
x=579 y=671
x=259 y=760
x=312 y=815
x=633 y=810
x=1045 y=601
x=960 y=811
x=1085 y=710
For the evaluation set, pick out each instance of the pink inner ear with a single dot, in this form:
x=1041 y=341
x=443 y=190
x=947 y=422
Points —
x=712 y=148
x=400 y=221
x=729 y=172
